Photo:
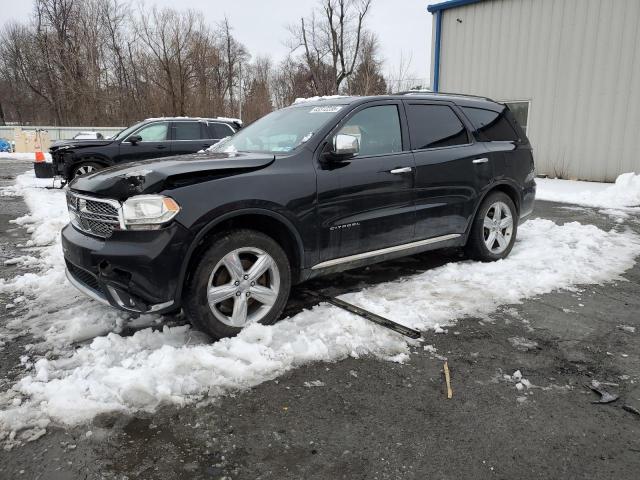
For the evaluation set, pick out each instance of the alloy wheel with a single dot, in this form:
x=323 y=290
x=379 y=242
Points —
x=498 y=228
x=243 y=286
x=85 y=169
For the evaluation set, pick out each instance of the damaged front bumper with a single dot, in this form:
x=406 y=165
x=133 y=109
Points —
x=138 y=272
x=61 y=163
x=115 y=297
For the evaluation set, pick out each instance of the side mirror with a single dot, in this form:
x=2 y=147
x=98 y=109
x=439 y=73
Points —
x=133 y=139
x=345 y=145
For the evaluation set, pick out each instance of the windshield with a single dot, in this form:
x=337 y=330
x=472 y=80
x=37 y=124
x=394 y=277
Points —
x=127 y=131
x=280 y=131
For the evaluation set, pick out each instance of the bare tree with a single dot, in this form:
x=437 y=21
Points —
x=100 y=62
x=291 y=80
x=235 y=56
x=367 y=78
x=167 y=35
x=403 y=79
x=331 y=41
x=256 y=98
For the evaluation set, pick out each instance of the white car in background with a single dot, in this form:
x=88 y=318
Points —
x=88 y=136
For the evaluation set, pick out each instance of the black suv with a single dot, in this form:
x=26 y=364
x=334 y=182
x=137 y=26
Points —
x=151 y=138
x=314 y=188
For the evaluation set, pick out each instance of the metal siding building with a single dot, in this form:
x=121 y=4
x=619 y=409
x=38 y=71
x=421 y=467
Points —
x=575 y=62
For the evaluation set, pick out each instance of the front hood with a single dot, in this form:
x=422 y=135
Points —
x=76 y=144
x=155 y=175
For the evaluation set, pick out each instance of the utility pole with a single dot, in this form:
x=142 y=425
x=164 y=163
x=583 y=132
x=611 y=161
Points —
x=240 y=93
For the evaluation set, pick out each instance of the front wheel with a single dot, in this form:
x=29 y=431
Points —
x=494 y=229
x=244 y=277
x=85 y=168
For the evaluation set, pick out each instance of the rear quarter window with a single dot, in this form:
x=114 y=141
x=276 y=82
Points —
x=491 y=126
x=220 y=130
x=435 y=126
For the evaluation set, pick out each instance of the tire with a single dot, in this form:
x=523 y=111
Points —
x=85 y=168
x=229 y=276
x=477 y=246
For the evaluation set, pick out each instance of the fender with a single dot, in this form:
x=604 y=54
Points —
x=236 y=213
x=483 y=195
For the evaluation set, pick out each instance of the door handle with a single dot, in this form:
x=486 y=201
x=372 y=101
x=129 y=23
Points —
x=161 y=147
x=480 y=160
x=396 y=171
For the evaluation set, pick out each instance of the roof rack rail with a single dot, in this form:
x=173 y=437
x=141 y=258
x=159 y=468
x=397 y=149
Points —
x=444 y=94
x=415 y=92
x=186 y=118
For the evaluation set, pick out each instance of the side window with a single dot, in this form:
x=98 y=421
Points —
x=491 y=126
x=187 y=131
x=220 y=130
x=156 y=132
x=433 y=126
x=377 y=130
x=520 y=111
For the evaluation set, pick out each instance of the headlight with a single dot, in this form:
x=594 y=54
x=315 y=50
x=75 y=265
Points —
x=148 y=212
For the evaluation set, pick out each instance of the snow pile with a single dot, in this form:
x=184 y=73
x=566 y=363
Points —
x=546 y=257
x=524 y=344
x=177 y=365
x=230 y=119
x=150 y=368
x=48 y=208
x=317 y=98
x=23 y=156
x=520 y=382
x=25 y=181
x=625 y=192
x=72 y=317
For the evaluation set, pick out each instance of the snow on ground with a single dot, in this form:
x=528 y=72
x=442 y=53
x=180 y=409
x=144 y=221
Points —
x=23 y=156
x=74 y=318
x=625 y=192
x=176 y=365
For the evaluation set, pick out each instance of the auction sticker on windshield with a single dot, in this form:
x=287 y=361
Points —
x=327 y=109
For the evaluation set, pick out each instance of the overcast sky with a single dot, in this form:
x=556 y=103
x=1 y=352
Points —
x=403 y=26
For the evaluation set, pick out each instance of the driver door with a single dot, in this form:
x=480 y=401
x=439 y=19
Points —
x=365 y=203
x=155 y=143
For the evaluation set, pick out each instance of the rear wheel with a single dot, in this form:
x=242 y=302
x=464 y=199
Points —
x=244 y=277
x=494 y=229
x=85 y=168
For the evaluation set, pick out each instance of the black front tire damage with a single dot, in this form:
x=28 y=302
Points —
x=196 y=305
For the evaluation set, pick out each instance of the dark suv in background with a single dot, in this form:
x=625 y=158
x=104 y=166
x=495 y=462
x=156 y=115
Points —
x=311 y=189
x=151 y=138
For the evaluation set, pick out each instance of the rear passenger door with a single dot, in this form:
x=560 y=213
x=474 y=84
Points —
x=451 y=169
x=188 y=137
x=508 y=148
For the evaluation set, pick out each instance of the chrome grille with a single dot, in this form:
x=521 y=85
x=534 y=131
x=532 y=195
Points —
x=96 y=216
